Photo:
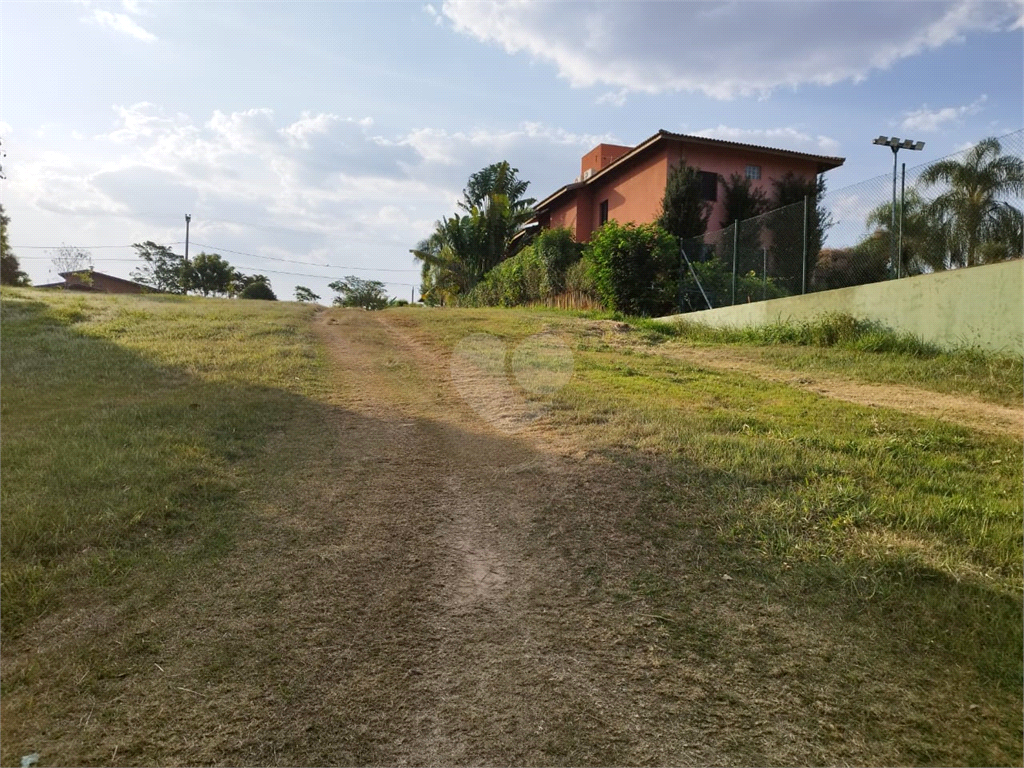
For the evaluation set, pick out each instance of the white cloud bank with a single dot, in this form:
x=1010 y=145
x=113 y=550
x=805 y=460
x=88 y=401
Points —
x=722 y=49
x=122 y=23
x=928 y=120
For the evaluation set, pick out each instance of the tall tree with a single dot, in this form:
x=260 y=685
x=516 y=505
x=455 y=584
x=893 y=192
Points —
x=466 y=246
x=786 y=224
x=208 y=273
x=162 y=268
x=10 y=269
x=357 y=292
x=924 y=248
x=684 y=211
x=305 y=295
x=972 y=209
x=744 y=203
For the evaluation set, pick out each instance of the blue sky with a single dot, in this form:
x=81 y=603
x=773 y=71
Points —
x=324 y=139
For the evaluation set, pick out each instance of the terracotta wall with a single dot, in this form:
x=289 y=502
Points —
x=726 y=161
x=634 y=194
x=602 y=155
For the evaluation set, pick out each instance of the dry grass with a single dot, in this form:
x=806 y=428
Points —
x=670 y=565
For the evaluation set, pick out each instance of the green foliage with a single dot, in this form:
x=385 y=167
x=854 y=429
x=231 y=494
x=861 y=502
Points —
x=240 y=281
x=833 y=329
x=464 y=248
x=684 y=212
x=516 y=281
x=258 y=290
x=557 y=250
x=163 y=269
x=356 y=292
x=971 y=212
x=208 y=274
x=924 y=247
x=867 y=262
x=635 y=268
x=742 y=200
x=787 y=228
x=305 y=295
x=579 y=279
x=10 y=269
x=716 y=280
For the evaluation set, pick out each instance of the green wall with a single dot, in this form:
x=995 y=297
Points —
x=977 y=306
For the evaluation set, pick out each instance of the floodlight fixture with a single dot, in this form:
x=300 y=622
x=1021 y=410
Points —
x=896 y=144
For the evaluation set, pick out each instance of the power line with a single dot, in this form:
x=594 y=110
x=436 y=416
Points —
x=221 y=250
x=79 y=247
x=296 y=261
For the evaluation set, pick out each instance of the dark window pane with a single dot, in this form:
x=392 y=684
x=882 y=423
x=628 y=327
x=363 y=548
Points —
x=709 y=185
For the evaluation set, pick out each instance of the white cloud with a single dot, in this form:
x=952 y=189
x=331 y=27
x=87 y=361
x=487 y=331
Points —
x=5 y=129
x=290 y=186
x=723 y=49
x=119 y=22
x=783 y=138
x=925 y=119
x=431 y=11
x=615 y=98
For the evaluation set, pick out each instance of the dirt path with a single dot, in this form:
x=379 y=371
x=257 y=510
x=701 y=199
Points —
x=506 y=666
x=434 y=587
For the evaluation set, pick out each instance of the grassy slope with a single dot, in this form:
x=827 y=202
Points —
x=126 y=423
x=841 y=345
x=133 y=446
x=872 y=503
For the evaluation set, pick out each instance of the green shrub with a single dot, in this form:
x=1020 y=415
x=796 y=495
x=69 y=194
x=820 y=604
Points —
x=513 y=282
x=579 y=279
x=635 y=268
x=258 y=290
x=558 y=251
x=716 y=279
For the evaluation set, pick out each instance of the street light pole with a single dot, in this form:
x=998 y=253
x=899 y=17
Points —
x=187 y=219
x=896 y=145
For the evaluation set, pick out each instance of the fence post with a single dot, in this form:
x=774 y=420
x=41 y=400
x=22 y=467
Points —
x=682 y=276
x=764 y=274
x=899 y=242
x=803 y=284
x=735 y=256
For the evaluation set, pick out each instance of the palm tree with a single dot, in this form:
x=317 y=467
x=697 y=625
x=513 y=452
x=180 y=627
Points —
x=924 y=245
x=464 y=248
x=971 y=210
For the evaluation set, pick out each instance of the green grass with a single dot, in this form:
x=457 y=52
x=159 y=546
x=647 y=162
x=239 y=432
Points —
x=126 y=425
x=913 y=520
x=860 y=349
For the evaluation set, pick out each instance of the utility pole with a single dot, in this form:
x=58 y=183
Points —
x=188 y=218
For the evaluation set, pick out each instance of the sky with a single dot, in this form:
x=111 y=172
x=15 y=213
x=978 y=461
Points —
x=311 y=141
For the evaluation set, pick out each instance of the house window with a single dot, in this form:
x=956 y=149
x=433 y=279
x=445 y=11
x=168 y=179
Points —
x=709 y=186
x=754 y=172
x=602 y=213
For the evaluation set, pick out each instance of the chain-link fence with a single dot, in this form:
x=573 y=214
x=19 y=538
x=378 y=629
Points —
x=960 y=211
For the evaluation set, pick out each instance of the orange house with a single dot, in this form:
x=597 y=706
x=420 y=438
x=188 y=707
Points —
x=627 y=184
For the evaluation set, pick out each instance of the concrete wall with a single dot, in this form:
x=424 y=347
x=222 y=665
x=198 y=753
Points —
x=977 y=306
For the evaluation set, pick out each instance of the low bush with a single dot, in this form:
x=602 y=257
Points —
x=635 y=268
x=258 y=290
